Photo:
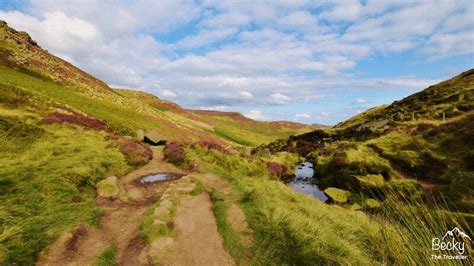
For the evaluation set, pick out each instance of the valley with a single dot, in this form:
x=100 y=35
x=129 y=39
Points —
x=74 y=153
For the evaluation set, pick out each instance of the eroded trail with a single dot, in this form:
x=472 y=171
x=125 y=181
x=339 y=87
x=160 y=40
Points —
x=196 y=240
x=118 y=225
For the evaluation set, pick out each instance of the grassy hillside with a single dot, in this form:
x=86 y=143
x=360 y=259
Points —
x=62 y=130
x=406 y=146
x=23 y=64
x=291 y=228
x=452 y=97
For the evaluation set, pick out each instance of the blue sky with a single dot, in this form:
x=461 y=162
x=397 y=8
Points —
x=305 y=61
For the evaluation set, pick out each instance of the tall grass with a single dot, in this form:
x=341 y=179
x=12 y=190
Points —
x=291 y=228
x=47 y=186
x=410 y=225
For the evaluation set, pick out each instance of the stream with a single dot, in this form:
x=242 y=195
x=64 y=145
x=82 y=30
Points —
x=303 y=182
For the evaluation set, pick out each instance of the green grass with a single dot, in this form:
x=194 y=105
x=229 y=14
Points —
x=150 y=231
x=232 y=240
x=290 y=228
x=126 y=114
x=107 y=258
x=47 y=186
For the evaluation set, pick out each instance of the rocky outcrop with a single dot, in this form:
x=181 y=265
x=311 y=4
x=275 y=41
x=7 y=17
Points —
x=110 y=188
x=154 y=138
x=337 y=195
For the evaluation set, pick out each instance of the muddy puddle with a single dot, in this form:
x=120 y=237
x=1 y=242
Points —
x=158 y=177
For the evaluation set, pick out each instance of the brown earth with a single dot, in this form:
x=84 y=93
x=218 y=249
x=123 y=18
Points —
x=196 y=240
x=119 y=224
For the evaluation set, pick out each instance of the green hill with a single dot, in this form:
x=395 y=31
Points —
x=30 y=69
x=425 y=138
x=62 y=130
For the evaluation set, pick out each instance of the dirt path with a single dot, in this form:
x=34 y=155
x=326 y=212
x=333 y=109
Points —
x=196 y=240
x=119 y=224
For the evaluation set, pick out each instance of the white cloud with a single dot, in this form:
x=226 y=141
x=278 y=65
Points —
x=278 y=98
x=303 y=115
x=441 y=45
x=235 y=54
x=256 y=115
x=168 y=93
x=58 y=32
x=326 y=114
x=347 y=10
x=206 y=37
x=246 y=95
x=360 y=100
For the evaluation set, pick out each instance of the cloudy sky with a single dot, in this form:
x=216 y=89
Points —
x=306 y=61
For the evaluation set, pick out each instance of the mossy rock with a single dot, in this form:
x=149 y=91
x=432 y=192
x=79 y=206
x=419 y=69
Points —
x=154 y=138
x=371 y=181
x=140 y=135
x=371 y=204
x=337 y=195
x=110 y=187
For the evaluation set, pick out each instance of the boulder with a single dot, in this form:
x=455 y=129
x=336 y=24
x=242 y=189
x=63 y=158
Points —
x=337 y=195
x=154 y=138
x=374 y=125
x=140 y=135
x=110 y=187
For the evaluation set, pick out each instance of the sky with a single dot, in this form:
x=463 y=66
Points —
x=304 y=61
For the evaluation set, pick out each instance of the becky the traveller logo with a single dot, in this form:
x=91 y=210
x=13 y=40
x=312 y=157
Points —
x=454 y=241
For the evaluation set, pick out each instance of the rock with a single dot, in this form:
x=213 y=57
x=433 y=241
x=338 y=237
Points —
x=337 y=195
x=161 y=211
x=166 y=204
x=371 y=204
x=374 y=125
x=154 y=138
x=110 y=187
x=140 y=135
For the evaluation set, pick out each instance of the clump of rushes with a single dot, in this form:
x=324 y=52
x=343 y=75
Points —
x=290 y=228
x=409 y=226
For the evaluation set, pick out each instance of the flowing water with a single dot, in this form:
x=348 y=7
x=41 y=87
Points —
x=304 y=182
